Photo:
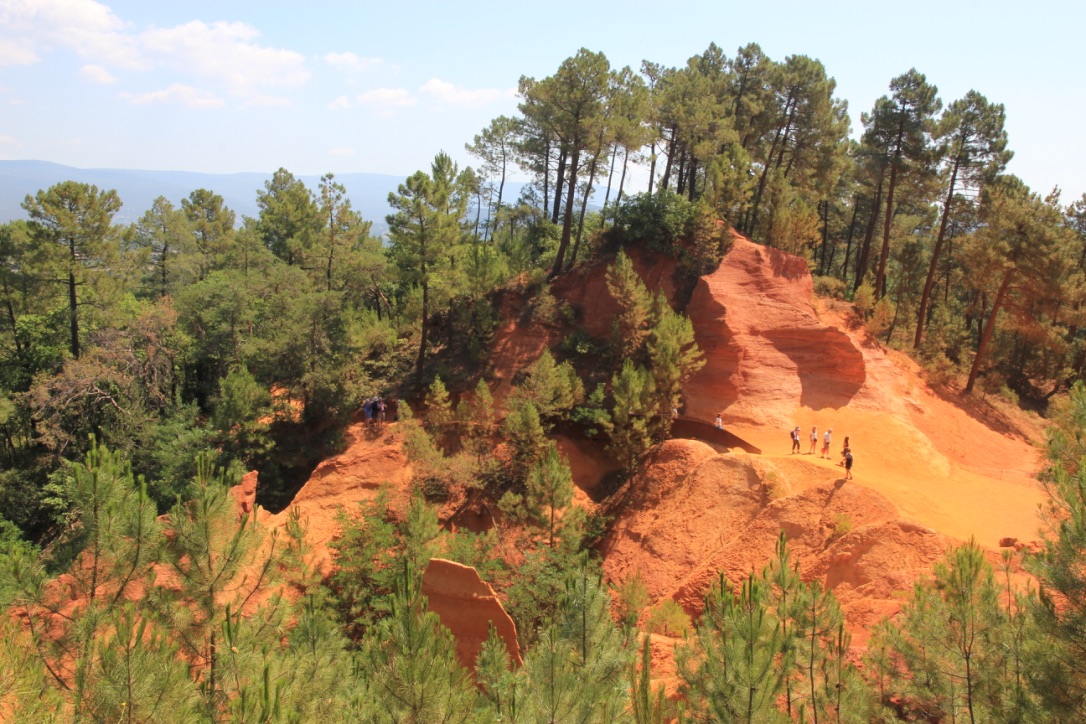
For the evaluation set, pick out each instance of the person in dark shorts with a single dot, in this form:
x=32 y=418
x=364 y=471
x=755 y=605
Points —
x=795 y=440
x=848 y=464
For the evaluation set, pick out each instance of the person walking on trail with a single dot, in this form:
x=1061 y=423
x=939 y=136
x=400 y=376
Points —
x=826 y=444
x=719 y=424
x=844 y=449
x=795 y=440
x=814 y=440
x=848 y=464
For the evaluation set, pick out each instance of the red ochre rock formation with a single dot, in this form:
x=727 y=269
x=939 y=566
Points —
x=245 y=493
x=373 y=457
x=691 y=515
x=765 y=349
x=468 y=607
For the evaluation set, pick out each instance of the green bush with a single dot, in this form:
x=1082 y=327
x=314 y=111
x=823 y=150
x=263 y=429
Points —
x=668 y=619
x=829 y=287
x=659 y=219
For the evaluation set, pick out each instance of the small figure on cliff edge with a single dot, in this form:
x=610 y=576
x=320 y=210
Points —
x=795 y=440
x=826 y=444
x=848 y=464
x=814 y=440
x=719 y=423
x=844 y=449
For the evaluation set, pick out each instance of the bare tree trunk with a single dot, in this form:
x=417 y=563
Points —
x=925 y=297
x=692 y=177
x=880 y=277
x=782 y=130
x=567 y=222
x=848 y=244
x=989 y=328
x=865 y=250
x=670 y=157
x=561 y=179
x=652 y=164
x=584 y=207
x=610 y=175
x=622 y=179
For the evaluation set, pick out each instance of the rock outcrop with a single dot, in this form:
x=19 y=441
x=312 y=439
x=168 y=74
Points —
x=468 y=607
x=765 y=348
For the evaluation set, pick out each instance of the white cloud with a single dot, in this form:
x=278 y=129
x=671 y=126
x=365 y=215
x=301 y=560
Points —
x=87 y=27
x=388 y=98
x=266 y=101
x=16 y=51
x=178 y=93
x=454 y=95
x=351 y=63
x=226 y=51
x=340 y=103
x=9 y=141
x=343 y=151
x=97 y=74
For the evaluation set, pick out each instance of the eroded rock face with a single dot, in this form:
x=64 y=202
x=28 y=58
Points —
x=692 y=515
x=468 y=607
x=765 y=349
x=373 y=457
x=245 y=493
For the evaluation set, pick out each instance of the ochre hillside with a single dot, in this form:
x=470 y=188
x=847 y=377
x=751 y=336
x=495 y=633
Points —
x=929 y=472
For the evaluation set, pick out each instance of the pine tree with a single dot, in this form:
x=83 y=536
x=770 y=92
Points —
x=632 y=418
x=410 y=664
x=550 y=488
x=732 y=668
x=224 y=569
x=674 y=357
x=1061 y=607
x=631 y=326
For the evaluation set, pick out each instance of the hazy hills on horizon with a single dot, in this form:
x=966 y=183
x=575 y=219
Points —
x=368 y=192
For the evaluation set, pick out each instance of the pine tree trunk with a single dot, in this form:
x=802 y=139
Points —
x=567 y=222
x=558 y=181
x=667 y=166
x=622 y=178
x=865 y=250
x=423 y=337
x=584 y=207
x=848 y=243
x=925 y=297
x=880 y=277
x=692 y=176
x=986 y=337
x=610 y=175
x=546 y=174
x=748 y=224
x=73 y=313
x=652 y=165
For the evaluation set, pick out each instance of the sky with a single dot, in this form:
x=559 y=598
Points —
x=381 y=87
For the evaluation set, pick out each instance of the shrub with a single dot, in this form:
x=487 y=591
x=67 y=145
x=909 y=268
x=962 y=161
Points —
x=829 y=287
x=940 y=370
x=842 y=525
x=864 y=300
x=659 y=219
x=668 y=619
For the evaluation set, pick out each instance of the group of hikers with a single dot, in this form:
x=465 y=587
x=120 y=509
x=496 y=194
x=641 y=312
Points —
x=374 y=409
x=846 y=451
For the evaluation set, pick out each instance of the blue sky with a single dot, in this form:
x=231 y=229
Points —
x=346 y=86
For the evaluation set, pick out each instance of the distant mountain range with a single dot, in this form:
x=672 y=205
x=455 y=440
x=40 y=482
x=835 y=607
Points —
x=138 y=189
